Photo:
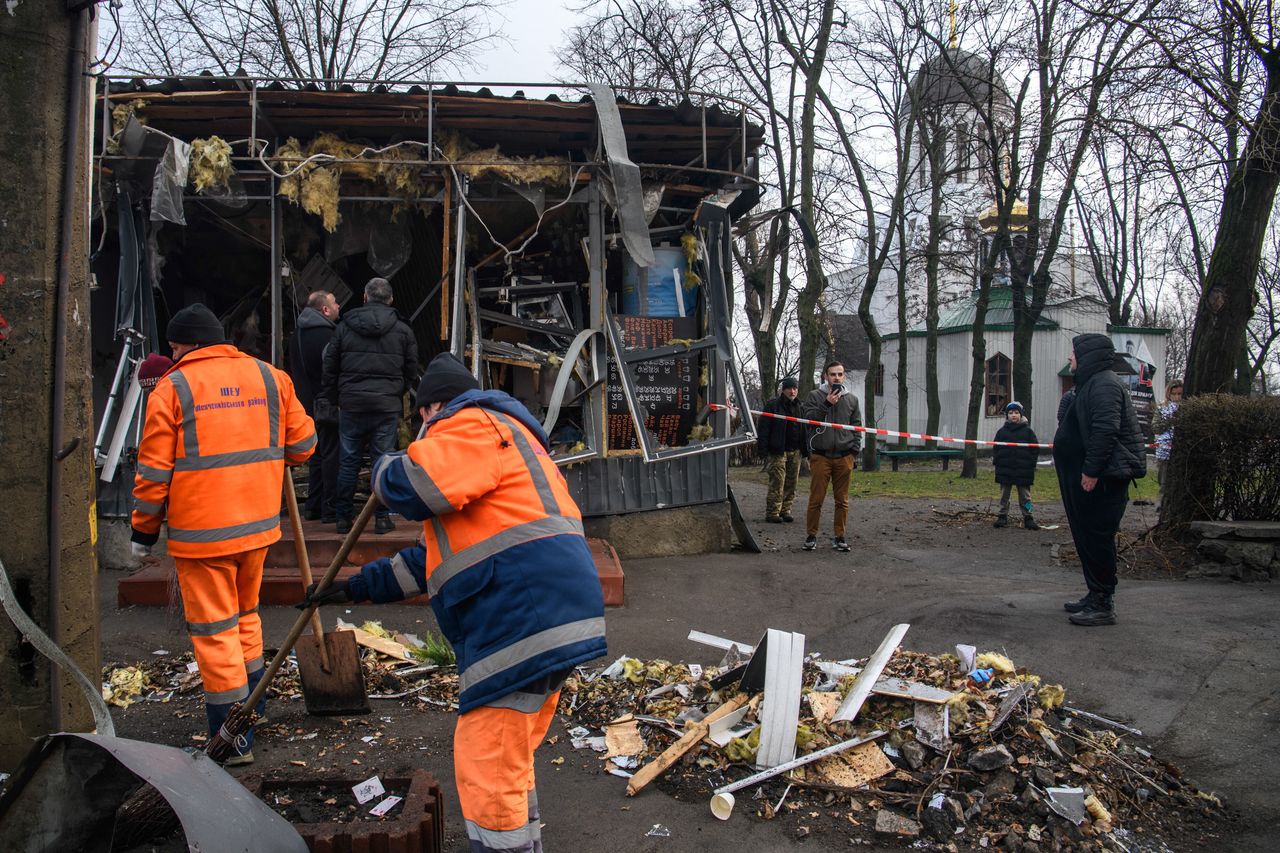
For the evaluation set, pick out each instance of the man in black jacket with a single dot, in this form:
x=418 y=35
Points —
x=370 y=364
x=782 y=443
x=1098 y=449
x=313 y=332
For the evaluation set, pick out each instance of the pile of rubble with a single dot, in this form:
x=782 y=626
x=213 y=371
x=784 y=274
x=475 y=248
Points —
x=955 y=751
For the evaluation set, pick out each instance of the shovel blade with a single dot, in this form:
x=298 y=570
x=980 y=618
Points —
x=339 y=691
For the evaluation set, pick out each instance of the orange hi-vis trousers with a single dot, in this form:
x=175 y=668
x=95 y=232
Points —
x=220 y=604
x=493 y=750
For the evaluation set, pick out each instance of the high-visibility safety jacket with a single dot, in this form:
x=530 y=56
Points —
x=503 y=557
x=220 y=427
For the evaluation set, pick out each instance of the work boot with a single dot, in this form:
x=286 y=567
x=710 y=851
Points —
x=242 y=753
x=810 y=543
x=311 y=514
x=1001 y=521
x=261 y=708
x=343 y=526
x=773 y=519
x=1099 y=612
x=1029 y=522
x=383 y=524
x=786 y=517
x=1081 y=604
x=839 y=544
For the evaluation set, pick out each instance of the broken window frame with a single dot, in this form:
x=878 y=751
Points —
x=712 y=225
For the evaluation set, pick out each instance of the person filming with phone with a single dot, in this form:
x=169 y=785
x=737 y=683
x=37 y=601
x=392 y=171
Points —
x=832 y=452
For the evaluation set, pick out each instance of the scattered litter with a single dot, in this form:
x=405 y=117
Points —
x=123 y=686
x=385 y=806
x=193 y=667
x=1068 y=803
x=658 y=831
x=622 y=737
x=368 y=789
x=160 y=652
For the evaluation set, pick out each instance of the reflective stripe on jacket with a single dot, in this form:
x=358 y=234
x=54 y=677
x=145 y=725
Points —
x=220 y=426
x=503 y=557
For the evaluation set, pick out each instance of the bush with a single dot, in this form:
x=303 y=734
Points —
x=1225 y=461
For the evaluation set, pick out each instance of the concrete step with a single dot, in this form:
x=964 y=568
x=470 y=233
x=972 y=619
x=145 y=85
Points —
x=323 y=542
x=281 y=585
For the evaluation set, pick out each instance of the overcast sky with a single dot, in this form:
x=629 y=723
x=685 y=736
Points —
x=534 y=29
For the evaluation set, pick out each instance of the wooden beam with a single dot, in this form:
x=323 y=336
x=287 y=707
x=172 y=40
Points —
x=673 y=753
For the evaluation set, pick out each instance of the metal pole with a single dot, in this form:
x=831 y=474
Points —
x=457 y=335
x=277 y=326
x=596 y=314
x=111 y=399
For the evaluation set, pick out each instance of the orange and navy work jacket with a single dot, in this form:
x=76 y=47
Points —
x=220 y=427
x=511 y=579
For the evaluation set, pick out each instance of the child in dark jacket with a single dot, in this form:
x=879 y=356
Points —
x=1016 y=466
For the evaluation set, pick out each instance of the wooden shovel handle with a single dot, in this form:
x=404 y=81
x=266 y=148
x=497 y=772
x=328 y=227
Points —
x=304 y=563
x=357 y=527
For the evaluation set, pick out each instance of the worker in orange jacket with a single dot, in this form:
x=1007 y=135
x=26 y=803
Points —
x=511 y=581
x=220 y=427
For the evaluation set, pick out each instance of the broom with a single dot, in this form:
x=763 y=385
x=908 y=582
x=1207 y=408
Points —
x=146 y=814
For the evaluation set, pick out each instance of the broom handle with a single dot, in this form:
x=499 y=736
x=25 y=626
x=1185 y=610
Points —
x=300 y=623
x=304 y=563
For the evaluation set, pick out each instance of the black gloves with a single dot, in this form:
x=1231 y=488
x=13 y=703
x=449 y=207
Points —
x=335 y=593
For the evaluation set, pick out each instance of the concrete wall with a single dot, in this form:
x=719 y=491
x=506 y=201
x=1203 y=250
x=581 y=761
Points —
x=33 y=101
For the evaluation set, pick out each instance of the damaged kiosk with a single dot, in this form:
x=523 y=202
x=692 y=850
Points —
x=574 y=252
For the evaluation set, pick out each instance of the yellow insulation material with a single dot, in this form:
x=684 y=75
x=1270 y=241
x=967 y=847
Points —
x=490 y=162
x=210 y=163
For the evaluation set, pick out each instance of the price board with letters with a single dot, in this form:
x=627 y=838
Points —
x=666 y=388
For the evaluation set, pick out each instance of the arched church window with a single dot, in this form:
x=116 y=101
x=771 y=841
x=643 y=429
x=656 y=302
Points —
x=999 y=384
x=964 y=152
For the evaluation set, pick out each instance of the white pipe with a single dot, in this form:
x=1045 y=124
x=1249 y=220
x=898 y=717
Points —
x=128 y=411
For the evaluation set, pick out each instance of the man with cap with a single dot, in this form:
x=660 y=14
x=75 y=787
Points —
x=781 y=443
x=1098 y=448
x=511 y=581
x=220 y=427
x=370 y=364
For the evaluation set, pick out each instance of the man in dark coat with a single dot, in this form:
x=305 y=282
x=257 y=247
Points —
x=1098 y=449
x=370 y=364
x=314 y=330
x=1015 y=466
x=782 y=443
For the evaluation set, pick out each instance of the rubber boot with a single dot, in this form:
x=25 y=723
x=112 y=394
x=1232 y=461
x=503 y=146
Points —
x=1001 y=521
x=1099 y=612
x=243 y=750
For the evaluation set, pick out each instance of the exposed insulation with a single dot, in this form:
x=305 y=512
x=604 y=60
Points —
x=210 y=164
x=490 y=162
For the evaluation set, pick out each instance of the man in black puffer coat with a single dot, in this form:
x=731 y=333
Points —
x=370 y=364
x=1016 y=466
x=1098 y=449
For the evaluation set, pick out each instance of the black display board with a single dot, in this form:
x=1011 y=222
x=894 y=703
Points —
x=666 y=388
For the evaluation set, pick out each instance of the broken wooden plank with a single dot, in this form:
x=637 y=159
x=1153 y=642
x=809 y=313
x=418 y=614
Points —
x=798 y=762
x=846 y=771
x=901 y=689
x=381 y=645
x=870 y=674
x=1012 y=700
x=672 y=754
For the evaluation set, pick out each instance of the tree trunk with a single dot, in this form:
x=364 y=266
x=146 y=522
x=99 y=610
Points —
x=815 y=282
x=978 y=373
x=1230 y=284
x=933 y=398
x=903 y=421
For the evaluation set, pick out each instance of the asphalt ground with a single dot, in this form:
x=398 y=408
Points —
x=1191 y=663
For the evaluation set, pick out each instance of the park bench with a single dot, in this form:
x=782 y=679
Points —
x=945 y=455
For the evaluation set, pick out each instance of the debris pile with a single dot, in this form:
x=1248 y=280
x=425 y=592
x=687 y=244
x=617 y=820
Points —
x=953 y=751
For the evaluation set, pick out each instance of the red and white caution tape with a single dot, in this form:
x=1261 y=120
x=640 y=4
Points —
x=876 y=431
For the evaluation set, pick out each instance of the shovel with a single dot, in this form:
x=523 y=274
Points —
x=328 y=664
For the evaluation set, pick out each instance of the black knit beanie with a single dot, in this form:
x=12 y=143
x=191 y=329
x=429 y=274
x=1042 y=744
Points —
x=790 y=382
x=195 y=324
x=446 y=378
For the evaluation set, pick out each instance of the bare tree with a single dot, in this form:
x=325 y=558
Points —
x=323 y=40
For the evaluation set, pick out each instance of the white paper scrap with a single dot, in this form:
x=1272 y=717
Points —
x=193 y=667
x=368 y=789
x=385 y=806
x=695 y=669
